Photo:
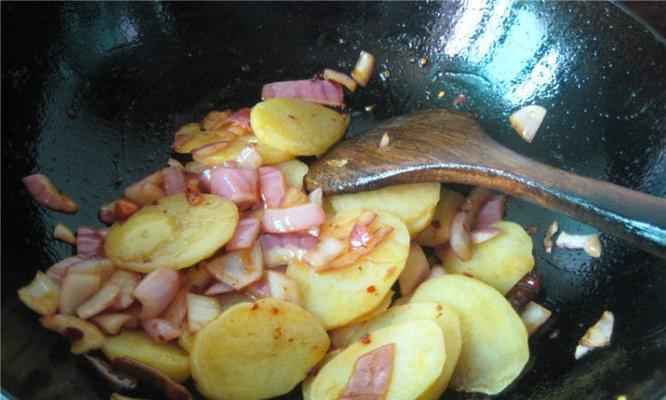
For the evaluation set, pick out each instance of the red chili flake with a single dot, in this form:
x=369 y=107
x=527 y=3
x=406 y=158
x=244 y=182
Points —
x=274 y=310
x=365 y=339
x=255 y=306
x=459 y=99
x=371 y=289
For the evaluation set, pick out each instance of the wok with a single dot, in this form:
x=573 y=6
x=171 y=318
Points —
x=92 y=93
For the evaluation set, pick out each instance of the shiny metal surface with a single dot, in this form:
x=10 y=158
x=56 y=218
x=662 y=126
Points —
x=92 y=93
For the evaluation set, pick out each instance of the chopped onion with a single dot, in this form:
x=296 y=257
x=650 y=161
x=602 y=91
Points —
x=198 y=278
x=282 y=249
x=174 y=180
x=124 y=209
x=464 y=220
x=42 y=295
x=360 y=234
x=365 y=66
x=533 y=316
x=241 y=118
x=146 y=191
x=89 y=242
x=238 y=268
x=63 y=233
x=201 y=310
x=46 y=194
x=316 y=91
x=96 y=266
x=245 y=235
x=272 y=186
x=107 y=213
x=172 y=162
x=76 y=289
x=328 y=249
x=436 y=271
x=484 y=234
x=416 y=270
x=589 y=243
x=599 y=335
x=548 y=236
x=283 y=287
x=177 y=311
x=99 y=302
x=341 y=78
x=355 y=254
x=249 y=158
x=371 y=374
x=156 y=291
x=111 y=323
x=210 y=149
x=215 y=120
x=58 y=270
x=259 y=289
x=316 y=197
x=219 y=288
x=236 y=184
x=126 y=281
x=293 y=219
x=181 y=139
x=527 y=121
x=160 y=330
x=385 y=141
x=492 y=211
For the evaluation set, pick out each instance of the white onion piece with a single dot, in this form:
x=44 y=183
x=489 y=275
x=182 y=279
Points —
x=238 y=268
x=58 y=270
x=156 y=291
x=42 y=295
x=548 y=236
x=598 y=335
x=464 y=220
x=492 y=211
x=293 y=219
x=385 y=141
x=111 y=323
x=46 y=194
x=416 y=270
x=283 y=287
x=527 y=121
x=259 y=289
x=484 y=234
x=174 y=180
x=328 y=249
x=99 y=302
x=177 y=310
x=160 y=330
x=63 y=233
x=365 y=66
x=201 y=310
x=589 y=243
x=341 y=78
x=77 y=288
x=534 y=315
x=245 y=234
x=126 y=281
x=198 y=278
x=249 y=158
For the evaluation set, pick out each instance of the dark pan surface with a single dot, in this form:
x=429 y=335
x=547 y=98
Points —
x=92 y=93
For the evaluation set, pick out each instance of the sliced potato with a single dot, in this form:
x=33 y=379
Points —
x=500 y=262
x=82 y=335
x=437 y=231
x=418 y=361
x=235 y=145
x=416 y=270
x=170 y=359
x=494 y=339
x=296 y=126
x=446 y=319
x=172 y=233
x=413 y=203
x=339 y=297
x=293 y=172
x=199 y=138
x=257 y=350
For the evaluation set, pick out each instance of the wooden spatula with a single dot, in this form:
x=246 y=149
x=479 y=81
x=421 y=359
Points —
x=448 y=146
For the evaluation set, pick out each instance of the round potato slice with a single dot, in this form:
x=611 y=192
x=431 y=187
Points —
x=413 y=203
x=296 y=126
x=256 y=350
x=198 y=138
x=500 y=262
x=235 y=145
x=494 y=339
x=437 y=232
x=417 y=362
x=339 y=297
x=446 y=319
x=172 y=233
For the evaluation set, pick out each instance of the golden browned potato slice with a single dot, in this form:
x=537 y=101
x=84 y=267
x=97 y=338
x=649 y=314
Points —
x=499 y=262
x=296 y=126
x=170 y=359
x=413 y=203
x=235 y=145
x=437 y=232
x=339 y=297
x=418 y=361
x=494 y=339
x=293 y=172
x=446 y=319
x=198 y=138
x=256 y=350
x=172 y=233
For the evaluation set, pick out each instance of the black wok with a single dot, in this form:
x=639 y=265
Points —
x=92 y=92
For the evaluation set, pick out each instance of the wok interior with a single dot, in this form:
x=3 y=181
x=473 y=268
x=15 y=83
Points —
x=93 y=93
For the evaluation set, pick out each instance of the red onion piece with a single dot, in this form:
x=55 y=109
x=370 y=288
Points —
x=416 y=270
x=317 y=197
x=238 y=268
x=249 y=158
x=146 y=191
x=210 y=149
x=174 y=180
x=283 y=287
x=371 y=374
x=160 y=330
x=245 y=235
x=201 y=310
x=484 y=234
x=534 y=315
x=124 y=209
x=316 y=91
x=107 y=213
x=464 y=220
x=181 y=139
x=259 y=289
x=219 y=288
x=293 y=219
x=236 y=184
x=97 y=266
x=89 y=242
x=46 y=194
x=58 y=270
x=177 y=311
x=272 y=186
x=282 y=249
x=126 y=281
x=589 y=243
x=156 y=291
x=328 y=249
x=355 y=254
x=99 y=302
x=241 y=117
x=548 y=236
x=76 y=289
x=492 y=211
x=599 y=335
